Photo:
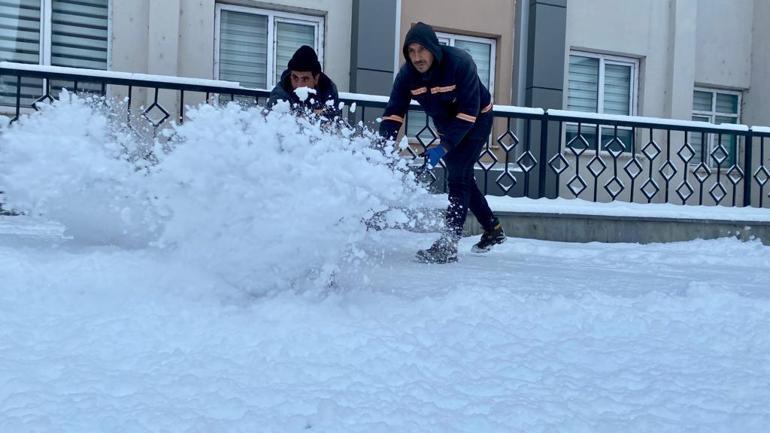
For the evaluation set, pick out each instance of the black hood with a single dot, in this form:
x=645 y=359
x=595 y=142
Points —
x=424 y=35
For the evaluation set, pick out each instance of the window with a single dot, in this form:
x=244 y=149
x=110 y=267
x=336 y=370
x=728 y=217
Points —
x=254 y=46
x=717 y=107
x=601 y=84
x=482 y=51
x=71 y=33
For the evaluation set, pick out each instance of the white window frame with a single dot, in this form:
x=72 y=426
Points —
x=273 y=17
x=46 y=26
x=607 y=59
x=713 y=113
x=711 y=141
x=451 y=38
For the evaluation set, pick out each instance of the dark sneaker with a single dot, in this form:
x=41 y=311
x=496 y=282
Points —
x=443 y=250
x=490 y=238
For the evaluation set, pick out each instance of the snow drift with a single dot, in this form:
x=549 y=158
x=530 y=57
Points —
x=266 y=200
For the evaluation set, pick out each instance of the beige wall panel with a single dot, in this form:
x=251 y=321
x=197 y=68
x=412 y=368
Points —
x=130 y=36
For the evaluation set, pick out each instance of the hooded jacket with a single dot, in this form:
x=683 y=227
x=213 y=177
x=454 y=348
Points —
x=450 y=92
x=325 y=101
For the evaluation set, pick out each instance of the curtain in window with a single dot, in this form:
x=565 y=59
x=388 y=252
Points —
x=482 y=56
x=583 y=84
x=79 y=33
x=701 y=101
x=617 y=89
x=243 y=49
x=289 y=37
x=19 y=42
x=20 y=31
x=727 y=103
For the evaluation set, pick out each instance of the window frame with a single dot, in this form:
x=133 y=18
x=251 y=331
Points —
x=46 y=39
x=711 y=140
x=714 y=113
x=604 y=60
x=46 y=44
x=273 y=16
x=453 y=37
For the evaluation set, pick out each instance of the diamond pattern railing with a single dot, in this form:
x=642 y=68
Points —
x=531 y=152
x=678 y=162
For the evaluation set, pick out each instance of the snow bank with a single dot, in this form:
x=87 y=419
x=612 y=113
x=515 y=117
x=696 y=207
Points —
x=266 y=201
x=73 y=163
x=274 y=200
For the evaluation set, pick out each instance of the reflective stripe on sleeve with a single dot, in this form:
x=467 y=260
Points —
x=394 y=118
x=466 y=117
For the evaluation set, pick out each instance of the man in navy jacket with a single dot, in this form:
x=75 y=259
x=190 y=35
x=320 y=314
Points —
x=444 y=81
x=304 y=70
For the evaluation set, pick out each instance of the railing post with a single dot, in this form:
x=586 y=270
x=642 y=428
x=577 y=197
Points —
x=542 y=163
x=747 y=157
x=18 y=97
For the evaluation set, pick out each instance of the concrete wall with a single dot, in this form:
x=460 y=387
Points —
x=757 y=98
x=130 y=35
x=196 y=41
x=680 y=43
x=724 y=47
x=632 y=229
x=489 y=18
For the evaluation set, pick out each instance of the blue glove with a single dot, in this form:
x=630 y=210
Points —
x=434 y=154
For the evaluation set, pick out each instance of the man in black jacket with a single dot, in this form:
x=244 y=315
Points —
x=445 y=83
x=304 y=70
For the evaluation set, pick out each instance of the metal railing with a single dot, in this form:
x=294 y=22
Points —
x=531 y=152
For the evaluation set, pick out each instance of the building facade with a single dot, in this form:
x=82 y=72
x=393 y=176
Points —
x=662 y=51
x=703 y=60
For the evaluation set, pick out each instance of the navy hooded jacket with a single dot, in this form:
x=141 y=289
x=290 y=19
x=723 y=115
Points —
x=324 y=102
x=450 y=92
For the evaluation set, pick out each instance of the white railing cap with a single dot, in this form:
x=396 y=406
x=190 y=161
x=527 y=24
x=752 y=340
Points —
x=361 y=97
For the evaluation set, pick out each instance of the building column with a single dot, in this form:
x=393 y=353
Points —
x=163 y=48
x=163 y=44
x=681 y=58
x=544 y=84
x=373 y=40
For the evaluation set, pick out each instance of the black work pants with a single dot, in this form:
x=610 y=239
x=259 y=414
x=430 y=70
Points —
x=464 y=194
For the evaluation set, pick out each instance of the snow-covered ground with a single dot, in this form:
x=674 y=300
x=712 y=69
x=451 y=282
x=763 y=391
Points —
x=181 y=323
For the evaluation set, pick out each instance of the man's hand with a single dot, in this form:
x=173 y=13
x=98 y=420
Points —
x=434 y=154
